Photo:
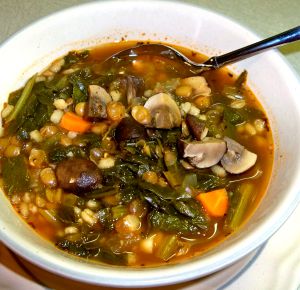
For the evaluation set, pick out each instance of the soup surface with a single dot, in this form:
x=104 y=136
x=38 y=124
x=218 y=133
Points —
x=135 y=160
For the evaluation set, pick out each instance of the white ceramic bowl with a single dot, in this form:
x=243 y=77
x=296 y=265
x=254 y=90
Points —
x=270 y=77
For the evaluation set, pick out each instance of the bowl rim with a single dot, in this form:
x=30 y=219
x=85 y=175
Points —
x=164 y=275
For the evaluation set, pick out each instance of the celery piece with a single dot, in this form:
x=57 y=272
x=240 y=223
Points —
x=49 y=215
x=69 y=199
x=167 y=248
x=173 y=178
x=235 y=218
x=190 y=180
x=23 y=99
x=66 y=214
x=118 y=211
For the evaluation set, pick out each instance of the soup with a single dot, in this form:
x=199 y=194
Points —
x=135 y=160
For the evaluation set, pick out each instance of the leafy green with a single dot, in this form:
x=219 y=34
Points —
x=215 y=122
x=106 y=218
x=176 y=224
x=158 y=203
x=15 y=174
x=165 y=193
x=189 y=207
x=39 y=118
x=233 y=116
x=79 y=81
x=75 y=56
x=209 y=181
x=102 y=192
x=59 y=153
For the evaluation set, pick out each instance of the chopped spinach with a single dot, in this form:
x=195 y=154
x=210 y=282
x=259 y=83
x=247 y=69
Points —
x=59 y=153
x=176 y=224
x=15 y=167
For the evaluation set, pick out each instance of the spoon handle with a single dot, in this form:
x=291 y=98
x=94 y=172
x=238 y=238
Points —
x=253 y=49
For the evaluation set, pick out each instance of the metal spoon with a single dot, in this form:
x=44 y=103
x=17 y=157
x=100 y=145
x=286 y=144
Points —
x=214 y=62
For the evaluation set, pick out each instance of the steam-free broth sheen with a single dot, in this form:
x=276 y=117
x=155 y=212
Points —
x=134 y=161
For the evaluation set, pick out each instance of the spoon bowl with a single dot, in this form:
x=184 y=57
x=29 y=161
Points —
x=214 y=62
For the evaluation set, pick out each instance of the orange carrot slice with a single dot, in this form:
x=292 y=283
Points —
x=215 y=202
x=72 y=122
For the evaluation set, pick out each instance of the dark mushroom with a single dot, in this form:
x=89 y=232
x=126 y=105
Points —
x=78 y=175
x=98 y=99
x=196 y=127
x=204 y=154
x=128 y=129
x=129 y=88
x=164 y=111
x=237 y=159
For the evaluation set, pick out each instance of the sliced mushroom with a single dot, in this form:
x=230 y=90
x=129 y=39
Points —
x=98 y=99
x=203 y=154
x=135 y=88
x=196 y=127
x=237 y=159
x=130 y=89
x=198 y=84
x=128 y=129
x=164 y=111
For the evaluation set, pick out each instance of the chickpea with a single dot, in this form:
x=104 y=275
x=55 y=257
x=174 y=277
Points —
x=99 y=128
x=260 y=125
x=65 y=140
x=48 y=131
x=108 y=145
x=15 y=141
x=162 y=182
x=80 y=109
x=250 y=129
x=150 y=176
x=138 y=207
x=96 y=154
x=115 y=111
x=27 y=147
x=141 y=115
x=202 y=102
x=128 y=224
x=3 y=143
x=48 y=177
x=12 y=151
x=37 y=158
x=184 y=91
